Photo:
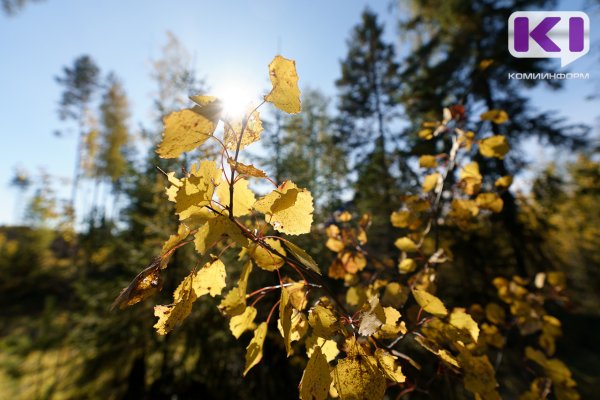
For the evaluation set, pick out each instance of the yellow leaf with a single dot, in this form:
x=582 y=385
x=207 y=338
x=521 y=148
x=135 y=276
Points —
x=388 y=365
x=353 y=261
x=169 y=316
x=426 y=134
x=334 y=245
x=485 y=64
x=392 y=327
x=496 y=116
x=254 y=349
x=209 y=107
x=168 y=247
x=210 y=279
x=323 y=321
x=328 y=347
x=344 y=217
x=489 y=201
x=288 y=209
x=251 y=134
x=427 y=161
x=234 y=303
x=395 y=294
x=184 y=131
x=372 y=318
x=430 y=182
x=504 y=182
x=479 y=375
x=299 y=325
x=285 y=316
x=359 y=378
x=264 y=258
x=447 y=357
x=316 y=378
x=406 y=244
x=302 y=256
x=285 y=94
x=243 y=322
x=495 y=313
x=197 y=189
x=494 y=146
x=430 y=303
x=249 y=170
x=243 y=197
x=407 y=266
x=461 y=320
x=214 y=230
x=471 y=178
x=400 y=219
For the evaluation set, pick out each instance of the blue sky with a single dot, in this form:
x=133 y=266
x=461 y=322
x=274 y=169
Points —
x=226 y=39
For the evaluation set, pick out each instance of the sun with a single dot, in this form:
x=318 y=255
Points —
x=237 y=98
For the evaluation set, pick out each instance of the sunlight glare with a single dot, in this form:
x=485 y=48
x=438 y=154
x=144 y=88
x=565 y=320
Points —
x=237 y=97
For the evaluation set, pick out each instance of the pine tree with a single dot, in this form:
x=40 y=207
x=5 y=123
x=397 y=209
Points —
x=79 y=85
x=368 y=90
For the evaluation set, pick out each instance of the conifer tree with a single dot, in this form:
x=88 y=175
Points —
x=368 y=88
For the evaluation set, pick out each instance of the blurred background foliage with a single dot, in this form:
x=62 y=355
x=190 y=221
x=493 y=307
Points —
x=356 y=152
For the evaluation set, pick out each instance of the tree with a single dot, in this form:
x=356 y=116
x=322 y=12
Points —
x=368 y=88
x=79 y=84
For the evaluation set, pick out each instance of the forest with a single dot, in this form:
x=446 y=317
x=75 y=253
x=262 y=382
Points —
x=386 y=240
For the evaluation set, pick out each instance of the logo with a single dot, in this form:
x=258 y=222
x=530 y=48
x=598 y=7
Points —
x=549 y=34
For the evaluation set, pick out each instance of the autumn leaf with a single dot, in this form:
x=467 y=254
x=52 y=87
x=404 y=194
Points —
x=461 y=320
x=214 y=230
x=359 y=378
x=210 y=279
x=389 y=366
x=244 y=169
x=184 y=131
x=144 y=285
x=504 y=182
x=427 y=161
x=328 y=346
x=234 y=303
x=372 y=318
x=323 y=321
x=406 y=244
x=243 y=197
x=316 y=378
x=255 y=347
x=285 y=316
x=471 y=178
x=285 y=94
x=489 y=201
x=243 y=322
x=479 y=375
x=288 y=209
x=264 y=258
x=430 y=182
x=407 y=265
x=494 y=115
x=302 y=256
x=392 y=327
x=430 y=303
x=251 y=134
x=197 y=189
x=494 y=146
